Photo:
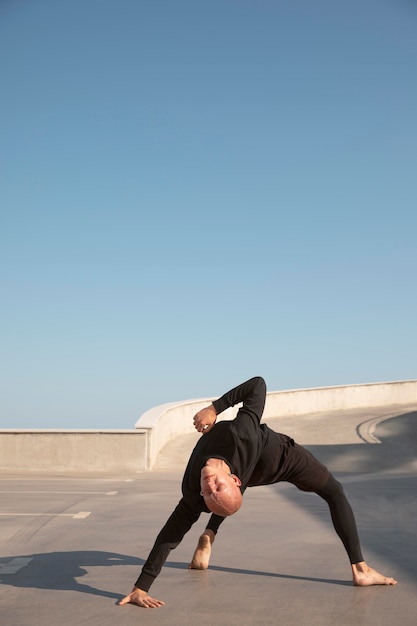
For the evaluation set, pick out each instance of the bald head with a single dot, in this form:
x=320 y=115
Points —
x=220 y=488
x=225 y=502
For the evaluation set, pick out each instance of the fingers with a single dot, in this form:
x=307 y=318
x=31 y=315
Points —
x=198 y=423
x=144 y=601
x=149 y=603
x=197 y=420
x=153 y=603
x=204 y=419
x=202 y=428
x=125 y=600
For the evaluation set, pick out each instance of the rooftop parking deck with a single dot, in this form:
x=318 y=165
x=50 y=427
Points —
x=72 y=545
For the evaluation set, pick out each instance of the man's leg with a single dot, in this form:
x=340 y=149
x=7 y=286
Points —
x=342 y=517
x=345 y=526
x=202 y=553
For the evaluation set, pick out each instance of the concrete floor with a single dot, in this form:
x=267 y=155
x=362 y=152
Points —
x=72 y=546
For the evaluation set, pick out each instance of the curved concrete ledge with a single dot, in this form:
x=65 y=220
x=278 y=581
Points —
x=169 y=420
x=137 y=450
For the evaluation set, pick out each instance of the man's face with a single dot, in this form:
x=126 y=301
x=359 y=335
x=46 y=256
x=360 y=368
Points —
x=219 y=488
x=215 y=481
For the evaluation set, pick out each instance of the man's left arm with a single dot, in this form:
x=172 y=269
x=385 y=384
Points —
x=251 y=393
x=205 y=419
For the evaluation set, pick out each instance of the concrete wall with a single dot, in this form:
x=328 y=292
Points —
x=169 y=420
x=325 y=399
x=73 y=451
x=137 y=450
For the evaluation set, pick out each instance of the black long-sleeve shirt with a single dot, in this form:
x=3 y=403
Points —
x=238 y=442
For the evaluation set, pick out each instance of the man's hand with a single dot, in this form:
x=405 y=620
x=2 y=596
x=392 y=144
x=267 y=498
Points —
x=205 y=419
x=141 y=598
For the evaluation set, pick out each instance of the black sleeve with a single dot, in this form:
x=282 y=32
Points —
x=214 y=522
x=252 y=393
x=170 y=536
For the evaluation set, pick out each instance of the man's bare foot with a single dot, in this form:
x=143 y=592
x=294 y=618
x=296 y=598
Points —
x=364 y=576
x=201 y=556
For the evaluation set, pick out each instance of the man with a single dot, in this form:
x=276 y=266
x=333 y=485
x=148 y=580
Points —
x=231 y=456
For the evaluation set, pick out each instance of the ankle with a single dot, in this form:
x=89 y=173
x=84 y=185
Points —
x=360 y=567
x=210 y=534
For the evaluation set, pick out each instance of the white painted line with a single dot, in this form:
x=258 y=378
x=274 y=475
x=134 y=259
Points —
x=105 y=493
x=61 y=479
x=80 y=515
x=14 y=565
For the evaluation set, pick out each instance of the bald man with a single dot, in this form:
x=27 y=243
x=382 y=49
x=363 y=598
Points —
x=231 y=456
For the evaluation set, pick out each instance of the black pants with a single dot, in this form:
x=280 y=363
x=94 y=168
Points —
x=341 y=513
x=342 y=517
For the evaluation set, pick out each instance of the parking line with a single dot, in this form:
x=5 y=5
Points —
x=80 y=515
x=46 y=479
x=106 y=493
x=14 y=565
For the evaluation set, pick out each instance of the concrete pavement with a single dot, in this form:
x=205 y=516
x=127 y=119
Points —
x=72 y=545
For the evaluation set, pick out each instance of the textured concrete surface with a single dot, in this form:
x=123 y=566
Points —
x=72 y=545
x=73 y=450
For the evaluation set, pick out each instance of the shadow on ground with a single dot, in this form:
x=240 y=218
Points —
x=60 y=570
x=397 y=451
x=380 y=482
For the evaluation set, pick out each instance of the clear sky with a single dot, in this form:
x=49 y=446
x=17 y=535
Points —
x=196 y=192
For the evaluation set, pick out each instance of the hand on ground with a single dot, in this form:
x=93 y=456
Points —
x=141 y=598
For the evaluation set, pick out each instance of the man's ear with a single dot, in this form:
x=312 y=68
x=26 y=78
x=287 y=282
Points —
x=236 y=479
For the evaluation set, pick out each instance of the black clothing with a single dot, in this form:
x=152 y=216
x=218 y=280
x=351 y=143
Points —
x=258 y=456
x=239 y=442
x=284 y=460
x=342 y=518
x=307 y=474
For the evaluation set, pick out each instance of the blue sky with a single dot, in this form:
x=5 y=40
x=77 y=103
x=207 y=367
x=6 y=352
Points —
x=194 y=192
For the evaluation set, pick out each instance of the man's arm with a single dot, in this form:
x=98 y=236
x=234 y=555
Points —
x=252 y=393
x=170 y=536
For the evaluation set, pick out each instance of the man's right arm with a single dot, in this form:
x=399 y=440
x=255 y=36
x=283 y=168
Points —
x=170 y=536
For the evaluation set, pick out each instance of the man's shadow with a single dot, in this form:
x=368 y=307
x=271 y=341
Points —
x=59 y=571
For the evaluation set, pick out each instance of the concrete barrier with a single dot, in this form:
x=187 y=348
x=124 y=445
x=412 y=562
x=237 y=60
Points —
x=326 y=399
x=73 y=450
x=169 y=420
x=137 y=450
